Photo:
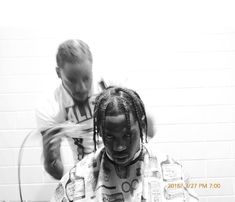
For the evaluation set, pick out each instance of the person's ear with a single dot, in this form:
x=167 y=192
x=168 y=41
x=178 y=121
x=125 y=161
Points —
x=58 y=72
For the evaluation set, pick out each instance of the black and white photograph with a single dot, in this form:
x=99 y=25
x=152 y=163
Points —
x=117 y=101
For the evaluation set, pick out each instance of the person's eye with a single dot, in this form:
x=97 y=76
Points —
x=73 y=81
x=108 y=136
x=86 y=79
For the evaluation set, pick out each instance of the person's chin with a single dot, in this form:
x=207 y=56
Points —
x=81 y=98
x=122 y=161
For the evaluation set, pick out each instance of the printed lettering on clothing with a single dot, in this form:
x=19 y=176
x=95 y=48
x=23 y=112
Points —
x=79 y=113
x=82 y=113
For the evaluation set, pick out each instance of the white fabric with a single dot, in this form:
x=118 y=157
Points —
x=147 y=179
x=59 y=110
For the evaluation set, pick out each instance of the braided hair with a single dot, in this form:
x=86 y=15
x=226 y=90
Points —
x=114 y=101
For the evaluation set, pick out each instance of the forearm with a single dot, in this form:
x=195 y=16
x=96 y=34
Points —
x=51 y=153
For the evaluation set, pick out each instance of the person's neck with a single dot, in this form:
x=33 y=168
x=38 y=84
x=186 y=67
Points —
x=80 y=103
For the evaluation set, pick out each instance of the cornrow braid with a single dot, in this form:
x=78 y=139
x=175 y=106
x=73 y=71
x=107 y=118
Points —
x=138 y=109
x=97 y=112
x=127 y=115
x=122 y=100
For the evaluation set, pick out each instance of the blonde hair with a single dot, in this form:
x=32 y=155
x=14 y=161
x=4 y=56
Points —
x=73 y=51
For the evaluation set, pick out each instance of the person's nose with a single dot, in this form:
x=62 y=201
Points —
x=119 y=145
x=81 y=87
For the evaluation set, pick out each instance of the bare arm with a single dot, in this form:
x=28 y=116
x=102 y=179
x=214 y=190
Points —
x=51 y=152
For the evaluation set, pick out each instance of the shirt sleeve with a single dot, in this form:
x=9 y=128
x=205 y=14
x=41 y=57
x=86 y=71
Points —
x=48 y=113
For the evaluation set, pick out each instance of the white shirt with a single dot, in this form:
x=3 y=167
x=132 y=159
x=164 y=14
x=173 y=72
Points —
x=59 y=108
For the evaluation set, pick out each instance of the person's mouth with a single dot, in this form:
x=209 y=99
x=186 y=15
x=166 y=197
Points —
x=120 y=157
x=80 y=95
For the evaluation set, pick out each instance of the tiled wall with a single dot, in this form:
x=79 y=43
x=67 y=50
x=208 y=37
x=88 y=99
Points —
x=184 y=69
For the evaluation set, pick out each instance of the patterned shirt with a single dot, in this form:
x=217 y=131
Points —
x=147 y=179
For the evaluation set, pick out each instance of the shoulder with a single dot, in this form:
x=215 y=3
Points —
x=89 y=162
x=75 y=181
x=49 y=109
x=170 y=168
x=154 y=152
x=49 y=98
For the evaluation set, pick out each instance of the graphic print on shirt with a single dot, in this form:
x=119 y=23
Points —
x=81 y=113
x=130 y=186
x=149 y=186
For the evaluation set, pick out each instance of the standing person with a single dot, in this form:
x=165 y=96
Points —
x=125 y=169
x=70 y=107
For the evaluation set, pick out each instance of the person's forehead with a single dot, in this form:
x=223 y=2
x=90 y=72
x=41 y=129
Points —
x=85 y=67
x=119 y=122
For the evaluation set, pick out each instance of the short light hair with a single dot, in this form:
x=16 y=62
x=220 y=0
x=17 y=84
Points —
x=73 y=51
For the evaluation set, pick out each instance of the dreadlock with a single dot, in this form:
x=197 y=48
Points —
x=122 y=100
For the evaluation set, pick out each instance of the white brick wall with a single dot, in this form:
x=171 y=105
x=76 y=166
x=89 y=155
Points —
x=179 y=56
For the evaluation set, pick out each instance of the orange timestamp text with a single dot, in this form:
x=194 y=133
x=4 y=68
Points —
x=201 y=185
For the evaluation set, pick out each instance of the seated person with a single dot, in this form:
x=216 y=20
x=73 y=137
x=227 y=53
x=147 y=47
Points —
x=125 y=169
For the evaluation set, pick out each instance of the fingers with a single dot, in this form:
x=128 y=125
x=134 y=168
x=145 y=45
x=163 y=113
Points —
x=51 y=150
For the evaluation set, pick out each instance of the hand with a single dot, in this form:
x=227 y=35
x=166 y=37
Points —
x=51 y=151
